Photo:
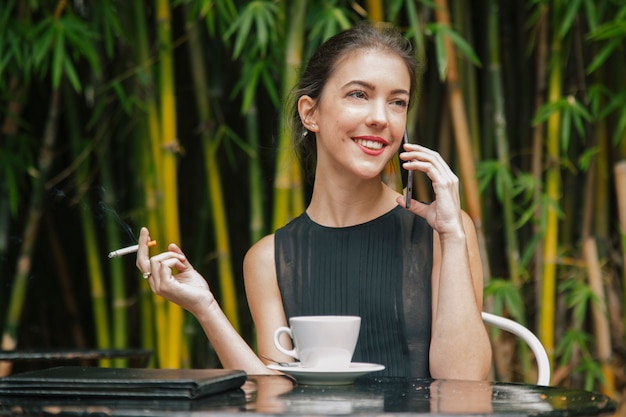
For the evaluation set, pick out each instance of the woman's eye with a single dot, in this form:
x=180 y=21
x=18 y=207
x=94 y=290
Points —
x=400 y=103
x=357 y=94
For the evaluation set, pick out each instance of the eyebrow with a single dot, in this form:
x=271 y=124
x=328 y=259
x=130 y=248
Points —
x=372 y=87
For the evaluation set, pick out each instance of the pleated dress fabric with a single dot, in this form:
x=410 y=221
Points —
x=379 y=270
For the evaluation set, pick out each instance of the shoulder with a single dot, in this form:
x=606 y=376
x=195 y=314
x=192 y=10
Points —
x=261 y=254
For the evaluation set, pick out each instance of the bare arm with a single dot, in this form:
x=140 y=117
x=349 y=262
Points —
x=460 y=347
x=189 y=289
x=264 y=299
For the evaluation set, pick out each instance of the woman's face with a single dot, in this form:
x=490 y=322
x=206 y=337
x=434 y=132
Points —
x=360 y=119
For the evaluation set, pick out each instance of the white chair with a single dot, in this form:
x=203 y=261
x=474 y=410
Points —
x=541 y=356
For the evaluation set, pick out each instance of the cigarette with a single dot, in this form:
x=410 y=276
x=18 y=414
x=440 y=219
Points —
x=129 y=249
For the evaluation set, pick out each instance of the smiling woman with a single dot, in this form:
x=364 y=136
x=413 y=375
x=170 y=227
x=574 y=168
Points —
x=412 y=274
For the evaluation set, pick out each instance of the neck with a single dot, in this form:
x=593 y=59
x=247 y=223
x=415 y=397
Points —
x=341 y=205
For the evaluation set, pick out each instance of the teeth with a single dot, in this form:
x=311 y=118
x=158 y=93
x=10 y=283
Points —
x=369 y=144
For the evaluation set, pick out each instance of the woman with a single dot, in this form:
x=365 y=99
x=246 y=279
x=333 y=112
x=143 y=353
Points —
x=413 y=275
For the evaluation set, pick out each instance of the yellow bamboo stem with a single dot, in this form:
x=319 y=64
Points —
x=218 y=206
x=599 y=314
x=553 y=194
x=148 y=137
x=462 y=133
x=169 y=150
x=459 y=120
x=620 y=185
x=287 y=187
x=375 y=10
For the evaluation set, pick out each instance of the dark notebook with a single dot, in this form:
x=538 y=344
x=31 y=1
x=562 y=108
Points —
x=78 y=381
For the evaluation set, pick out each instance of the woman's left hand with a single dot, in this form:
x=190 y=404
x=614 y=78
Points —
x=444 y=213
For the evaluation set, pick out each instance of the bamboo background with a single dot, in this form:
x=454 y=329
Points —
x=169 y=113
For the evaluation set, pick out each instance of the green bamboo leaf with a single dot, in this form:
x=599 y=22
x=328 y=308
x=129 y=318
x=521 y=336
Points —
x=579 y=119
x=515 y=304
x=70 y=73
x=328 y=21
x=572 y=339
x=242 y=27
x=529 y=250
x=578 y=296
x=591 y=15
x=620 y=127
x=461 y=45
x=603 y=55
x=506 y=296
x=82 y=40
x=524 y=186
x=585 y=159
x=41 y=39
x=5 y=13
x=341 y=18
x=58 y=58
x=564 y=134
x=571 y=10
x=261 y=13
x=251 y=83
x=544 y=112
x=415 y=30
x=442 y=57
x=485 y=171
x=591 y=370
x=616 y=103
x=261 y=33
x=270 y=87
x=504 y=181
x=122 y=97
x=597 y=94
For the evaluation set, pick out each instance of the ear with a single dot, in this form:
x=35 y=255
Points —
x=306 y=109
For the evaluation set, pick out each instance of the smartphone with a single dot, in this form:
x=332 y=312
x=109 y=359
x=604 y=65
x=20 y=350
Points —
x=409 y=177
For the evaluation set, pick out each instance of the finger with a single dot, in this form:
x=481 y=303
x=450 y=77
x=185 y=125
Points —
x=143 y=252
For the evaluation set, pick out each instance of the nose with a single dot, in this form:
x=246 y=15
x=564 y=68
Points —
x=377 y=116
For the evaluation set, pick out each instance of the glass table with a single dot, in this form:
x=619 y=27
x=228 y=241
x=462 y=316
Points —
x=368 y=396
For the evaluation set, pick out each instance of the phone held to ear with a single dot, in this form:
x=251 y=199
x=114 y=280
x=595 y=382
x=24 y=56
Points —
x=409 y=177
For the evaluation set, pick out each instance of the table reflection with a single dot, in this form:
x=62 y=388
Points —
x=271 y=395
x=280 y=395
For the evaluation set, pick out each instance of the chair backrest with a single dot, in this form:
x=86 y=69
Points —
x=541 y=356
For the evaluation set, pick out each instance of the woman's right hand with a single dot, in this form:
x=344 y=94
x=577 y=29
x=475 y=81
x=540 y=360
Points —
x=186 y=287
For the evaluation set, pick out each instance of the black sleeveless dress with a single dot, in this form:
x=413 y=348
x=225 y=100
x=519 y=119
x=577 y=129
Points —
x=379 y=270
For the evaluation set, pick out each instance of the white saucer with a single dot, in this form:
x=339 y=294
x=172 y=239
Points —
x=317 y=376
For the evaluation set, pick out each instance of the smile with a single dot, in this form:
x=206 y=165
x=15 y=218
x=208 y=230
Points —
x=369 y=144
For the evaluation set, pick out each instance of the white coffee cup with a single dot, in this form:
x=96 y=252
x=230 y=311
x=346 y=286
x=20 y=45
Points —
x=325 y=342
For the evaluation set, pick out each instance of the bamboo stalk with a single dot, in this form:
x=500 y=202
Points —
x=148 y=137
x=599 y=315
x=502 y=142
x=92 y=253
x=255 y=176
x=288 y=190
x=553 y=194
x=18 y=292
x=65 y=283
x=538 y=138
x=375 y=10
x=462 y=134
x=502 y=148
x=216 y=194
x=619 y=170
x=119 y=316
x=170 y=147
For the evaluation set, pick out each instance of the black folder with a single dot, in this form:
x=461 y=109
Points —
x=76 y=381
